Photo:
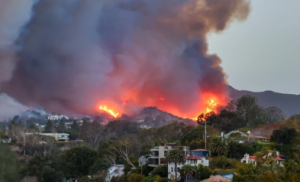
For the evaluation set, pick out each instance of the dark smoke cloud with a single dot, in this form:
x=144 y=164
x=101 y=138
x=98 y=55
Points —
x=74 y=54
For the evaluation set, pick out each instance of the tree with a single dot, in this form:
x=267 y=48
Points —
x=134 y=177
x=175 y=156
x=218 y=146
x=8 y=165
x=249 y=112
x=77 y=161
x=123 y=149
x=49 y=127
x=188 y=171
x=274 y=115
x=161 y=171
x=222 y=161
x=92 y=133
x=290 y=123
x=75 y=126
x=61 y=127
x=203 y=172
x=284 y=136
x=19 y=134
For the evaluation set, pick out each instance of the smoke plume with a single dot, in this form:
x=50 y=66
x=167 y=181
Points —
x=74 y=55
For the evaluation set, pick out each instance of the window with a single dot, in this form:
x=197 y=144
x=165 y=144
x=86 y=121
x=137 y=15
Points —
x=171 y=169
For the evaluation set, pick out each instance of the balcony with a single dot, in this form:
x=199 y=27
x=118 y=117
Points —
x=153 y=156
x=153 y=165
x=154 y=148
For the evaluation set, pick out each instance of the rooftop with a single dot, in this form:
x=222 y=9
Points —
x=197 y=150
x=193 y=157
x=259 y=137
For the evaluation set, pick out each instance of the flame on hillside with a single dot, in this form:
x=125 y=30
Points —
x=110 y=111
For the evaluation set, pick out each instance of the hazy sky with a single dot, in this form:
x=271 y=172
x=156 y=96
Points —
x=263 y=53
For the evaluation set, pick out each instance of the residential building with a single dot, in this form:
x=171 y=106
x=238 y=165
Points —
x=57 y=136
x=259 y=139
x=6 y=140
x=191 y=160
x=251 y=159
x=200 y=153
x=220 y=178
x=159 y=153
x=244 y=137
x=57 y=117
x=233 y=132
x=115 y=171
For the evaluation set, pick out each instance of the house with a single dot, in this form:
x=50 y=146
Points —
x=7 y=140
x=234 y=132
x=251 y=159
x=159 y=153
x=191 y=160
x=57 y=136
x=259 y=138
x=217 y=178
x=247 y=136
x=200 y=153
x=115 y=171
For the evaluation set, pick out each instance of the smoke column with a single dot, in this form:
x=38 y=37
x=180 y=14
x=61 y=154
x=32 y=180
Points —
x=74 y=55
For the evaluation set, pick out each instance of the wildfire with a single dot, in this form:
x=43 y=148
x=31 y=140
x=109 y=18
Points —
x=211 y=105
x=111 y=112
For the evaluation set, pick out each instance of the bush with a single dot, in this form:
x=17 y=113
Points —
x=161 y=171
x=203 y=172
x=134 y=177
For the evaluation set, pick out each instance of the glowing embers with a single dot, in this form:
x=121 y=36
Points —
x=110 y=111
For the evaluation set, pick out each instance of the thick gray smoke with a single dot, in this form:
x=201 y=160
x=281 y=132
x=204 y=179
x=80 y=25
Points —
x=74 y=55
x=9 y=107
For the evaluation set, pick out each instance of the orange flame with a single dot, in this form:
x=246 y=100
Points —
x=211 y=105
x=111 y=112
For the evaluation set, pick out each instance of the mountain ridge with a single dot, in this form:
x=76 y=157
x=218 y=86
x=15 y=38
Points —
x=288 y=103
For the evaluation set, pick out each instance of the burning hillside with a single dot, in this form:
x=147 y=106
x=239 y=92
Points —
x=117 y=56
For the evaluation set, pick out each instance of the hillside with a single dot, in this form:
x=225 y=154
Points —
x=288 y=103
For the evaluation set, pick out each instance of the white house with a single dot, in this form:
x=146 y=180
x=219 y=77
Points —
x=115 y=171
x=57 y=117
x=251 y=159
x=57 y=136
x=192 y=160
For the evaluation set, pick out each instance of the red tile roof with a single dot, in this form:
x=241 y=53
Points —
x=279 y=159
x=259 y=137
x=251 y=157
x=193 y=157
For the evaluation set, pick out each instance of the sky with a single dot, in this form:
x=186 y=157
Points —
x=262 y=53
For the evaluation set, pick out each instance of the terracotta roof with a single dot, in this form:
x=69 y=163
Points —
x=193 y=157
x=216 y=178
x=199 y=150
x=279 y=159
x=251 y=157
x=259 y=137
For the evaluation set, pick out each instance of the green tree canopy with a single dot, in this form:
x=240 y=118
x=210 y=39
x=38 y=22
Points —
x=77 y=161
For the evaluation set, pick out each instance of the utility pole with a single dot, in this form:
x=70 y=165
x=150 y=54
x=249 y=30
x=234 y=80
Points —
x=205 y=135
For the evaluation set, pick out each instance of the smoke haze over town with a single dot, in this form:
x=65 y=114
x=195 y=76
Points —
x=73 y=56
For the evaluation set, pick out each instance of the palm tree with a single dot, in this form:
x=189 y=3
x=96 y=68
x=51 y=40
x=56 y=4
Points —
x=188 y=170
x=175 y=156
x=220 y=147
